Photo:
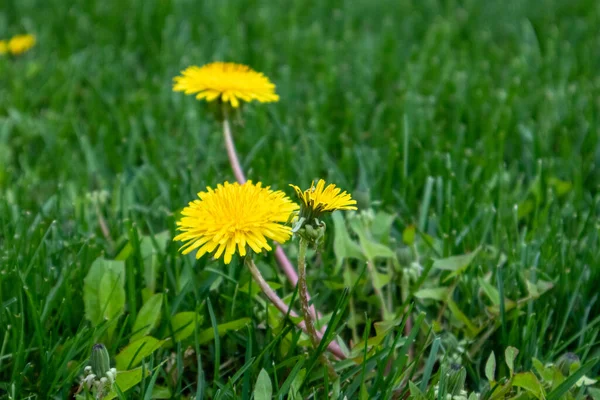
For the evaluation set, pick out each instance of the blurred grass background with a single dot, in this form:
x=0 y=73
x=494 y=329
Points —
x=487 y=109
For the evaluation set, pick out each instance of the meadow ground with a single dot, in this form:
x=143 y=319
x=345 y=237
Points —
x=468 y=131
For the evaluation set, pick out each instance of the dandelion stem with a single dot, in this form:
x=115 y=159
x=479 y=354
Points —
x=232 y=154
x=308 y=316
x=238 y=171
x=333 y=347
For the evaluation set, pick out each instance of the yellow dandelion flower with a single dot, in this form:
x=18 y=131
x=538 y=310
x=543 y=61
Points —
x=20 y=44
x=3 y=47
x=228 y=82
x=234 y=216
x=320 y=199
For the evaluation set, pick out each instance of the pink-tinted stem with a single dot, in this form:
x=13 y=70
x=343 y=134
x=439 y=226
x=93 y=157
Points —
x=333 y=347
x=232 y=154
x=238 y=171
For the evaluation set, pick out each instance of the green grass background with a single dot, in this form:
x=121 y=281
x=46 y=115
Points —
x=475 y=120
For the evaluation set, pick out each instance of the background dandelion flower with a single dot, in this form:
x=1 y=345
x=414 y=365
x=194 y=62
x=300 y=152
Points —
x=20 y=44
x=320 y=199
x=229 y=82
x=233 y=216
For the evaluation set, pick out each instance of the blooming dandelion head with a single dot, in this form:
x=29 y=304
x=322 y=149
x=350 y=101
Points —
x=316 y=201
x=233 y=217
x=319 y=199
x=3 y=47
x=227 y=82
x=20 y=44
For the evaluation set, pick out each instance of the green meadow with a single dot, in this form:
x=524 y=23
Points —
x=468 y=132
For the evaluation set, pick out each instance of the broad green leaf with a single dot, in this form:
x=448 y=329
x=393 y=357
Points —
x=529 y=382
x=294 y=392
x=511 y=354
x=343 y=246
x=491 y=292
x=336 y=388
x=382 y=328
x=363 y=394
x=187 y=276
x=112 y=293
x=161 y=392
x=545 y=372
x=595 y=393
x=557 y=377
x=508 y=305
x=134 y=352
x=415 y=392
x=559 y=391
x=263 y=390
x=472 y=329
x=150 y=256
x=439 y=294
x=544 y=286
x=208 y=335
x=183 y=324
x=95 y=305
x=334 y=285
x=537 y=289
x=532 y=289
x=352 y=278
x=502 y=392
x=275 y=314
x=381 y=226
x=380 y=280
x=456 y=264
x=490 y=368
x=525 y=208
x=126 y=380
x=370 y=248
x=409 y=234
x=148 y=317
x=585 y=381
x=146 y=294
x=125 y=252
x=357 y=353
x=561 y=187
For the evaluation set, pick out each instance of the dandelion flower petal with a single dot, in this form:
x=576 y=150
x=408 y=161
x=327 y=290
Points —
x=230 y=82
x=231 y=217
x=320 y=199
x=20 y=44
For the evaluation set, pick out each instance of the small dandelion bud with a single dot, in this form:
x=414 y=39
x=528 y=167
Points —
x=87 y=370
x=314 y=233
x=567 y=363
x=100 y=359
x=456 y=376
x=113 y=371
